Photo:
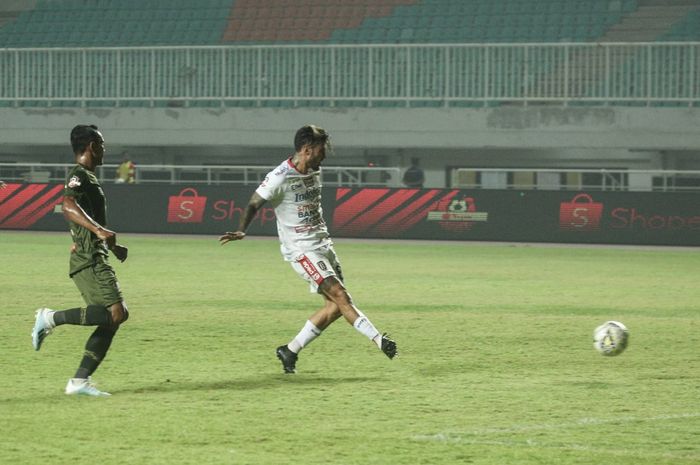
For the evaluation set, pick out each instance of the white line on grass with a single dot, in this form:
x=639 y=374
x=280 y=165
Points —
x=478 y=437
x=456 y=437
x=605 y=451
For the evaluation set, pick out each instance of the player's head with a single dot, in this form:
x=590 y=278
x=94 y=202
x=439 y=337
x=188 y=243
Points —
x=311 y=135
x=311 y=142
x=86 y=137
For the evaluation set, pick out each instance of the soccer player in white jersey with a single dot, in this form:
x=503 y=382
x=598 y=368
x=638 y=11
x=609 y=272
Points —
x=294 y=190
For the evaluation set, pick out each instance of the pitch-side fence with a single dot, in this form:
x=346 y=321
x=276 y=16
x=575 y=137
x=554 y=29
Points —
x=335 y=176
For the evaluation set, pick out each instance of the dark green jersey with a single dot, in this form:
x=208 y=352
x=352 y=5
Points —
x=83 y=185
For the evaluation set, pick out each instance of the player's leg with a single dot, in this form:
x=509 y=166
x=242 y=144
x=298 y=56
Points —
x=100 y=341
x=336 y=292
x=323 y=272
x=90 y=315
x=98 y=287
x=323 y=318
x=312 y=267
x=314 y=326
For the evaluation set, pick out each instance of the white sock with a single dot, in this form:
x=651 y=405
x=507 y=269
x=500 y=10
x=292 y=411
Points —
x=364 y=326
x=48 y=316
x=307 y=334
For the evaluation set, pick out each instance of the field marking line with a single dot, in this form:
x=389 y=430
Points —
x=586 y=421
x=530 y=443
x=479 y=437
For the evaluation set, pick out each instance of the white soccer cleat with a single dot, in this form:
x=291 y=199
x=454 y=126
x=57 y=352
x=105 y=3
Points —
x=42 y=327
x=84 y=387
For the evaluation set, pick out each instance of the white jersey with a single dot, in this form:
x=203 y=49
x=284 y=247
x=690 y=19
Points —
x=296 y=198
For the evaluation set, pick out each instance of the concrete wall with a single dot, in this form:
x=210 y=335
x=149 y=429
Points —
x=502 y=127
x=515 y=137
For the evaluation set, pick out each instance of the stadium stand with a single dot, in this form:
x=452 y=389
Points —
x=174 y=76
x=69 y=23
x=53 y=23
x=687 y=29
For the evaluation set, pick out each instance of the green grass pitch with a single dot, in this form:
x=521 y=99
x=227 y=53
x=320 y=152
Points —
x=496 y=361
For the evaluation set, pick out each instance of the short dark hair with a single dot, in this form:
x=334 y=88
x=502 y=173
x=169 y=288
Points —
x=82 y=135
x=310 y=135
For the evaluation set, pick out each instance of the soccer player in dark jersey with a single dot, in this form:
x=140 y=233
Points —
x=85 y=208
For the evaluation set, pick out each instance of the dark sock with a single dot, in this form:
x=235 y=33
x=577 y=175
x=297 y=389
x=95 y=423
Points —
x=95 y=350
x=92 y=315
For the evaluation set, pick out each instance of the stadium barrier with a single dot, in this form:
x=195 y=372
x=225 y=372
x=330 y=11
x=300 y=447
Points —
x=604 y=217
x=652 y=73
x=378 y=176
x=201 y=174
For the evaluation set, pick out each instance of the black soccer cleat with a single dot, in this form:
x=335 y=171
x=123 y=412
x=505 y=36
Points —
x=388 y=346
x=288 y=359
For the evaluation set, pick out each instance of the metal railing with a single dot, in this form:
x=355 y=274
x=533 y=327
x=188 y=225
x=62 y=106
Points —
x=199 y=174
x=334 y=176
x=577 y=179
x=658 y=73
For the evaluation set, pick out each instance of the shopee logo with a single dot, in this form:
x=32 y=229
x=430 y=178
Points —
x=623 y=218
x=581 y=214
x=186 y=208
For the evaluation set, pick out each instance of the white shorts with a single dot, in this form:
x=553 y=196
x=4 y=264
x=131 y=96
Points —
x=318 y=265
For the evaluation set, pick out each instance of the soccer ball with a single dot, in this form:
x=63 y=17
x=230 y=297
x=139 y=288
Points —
x=611 y=338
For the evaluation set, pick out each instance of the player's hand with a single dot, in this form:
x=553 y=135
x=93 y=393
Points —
x=73 y=248
x=110 y=237
x=120 y=252
x=231 y=236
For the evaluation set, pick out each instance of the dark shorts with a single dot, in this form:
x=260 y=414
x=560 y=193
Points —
x=98 y=284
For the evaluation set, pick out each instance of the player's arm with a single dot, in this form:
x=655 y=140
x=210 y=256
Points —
x=75 y=214
x=254 y=205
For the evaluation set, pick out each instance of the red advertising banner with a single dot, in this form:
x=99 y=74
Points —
x=392 y=212
x=22 y=205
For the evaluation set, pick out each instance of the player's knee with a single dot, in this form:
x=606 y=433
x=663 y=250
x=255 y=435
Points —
x=119 y=314
x=332 y=310
x=334 y=289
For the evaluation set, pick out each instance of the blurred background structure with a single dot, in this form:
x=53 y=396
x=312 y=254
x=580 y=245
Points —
x=465 y=86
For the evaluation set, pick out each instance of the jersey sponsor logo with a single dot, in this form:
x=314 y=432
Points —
x=73 y=182
x=311 y=269
x=322 y=265
x=308 y=195
x=305 y=228
x=283 y=169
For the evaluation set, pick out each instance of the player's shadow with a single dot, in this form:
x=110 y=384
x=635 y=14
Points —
x=245 y=384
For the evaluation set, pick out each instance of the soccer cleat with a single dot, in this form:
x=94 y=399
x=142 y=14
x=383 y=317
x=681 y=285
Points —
x=388 y=346
x=288 y=359
x=84 y=387
x=42 y=328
